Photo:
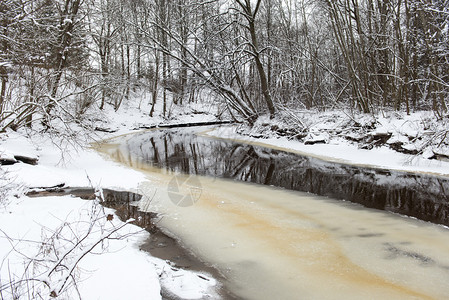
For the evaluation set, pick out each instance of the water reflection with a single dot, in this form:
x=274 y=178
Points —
x=179 y=150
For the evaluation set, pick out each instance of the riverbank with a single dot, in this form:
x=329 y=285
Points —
x=118 y=269
x=324 y=140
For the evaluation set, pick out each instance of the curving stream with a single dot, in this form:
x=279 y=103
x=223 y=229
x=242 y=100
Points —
x=274 y=224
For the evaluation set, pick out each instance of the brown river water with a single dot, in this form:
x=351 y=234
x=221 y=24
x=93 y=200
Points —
x=282 y=226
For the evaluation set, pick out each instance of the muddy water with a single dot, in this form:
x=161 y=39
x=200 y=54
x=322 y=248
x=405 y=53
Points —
x=273 y=243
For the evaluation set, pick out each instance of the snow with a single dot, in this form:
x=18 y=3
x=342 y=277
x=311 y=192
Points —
x=75 y=168
x=186 y=284
x=26 y=219
x=135 y=114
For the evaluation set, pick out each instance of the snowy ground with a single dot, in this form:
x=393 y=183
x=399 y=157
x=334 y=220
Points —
x=122 y=271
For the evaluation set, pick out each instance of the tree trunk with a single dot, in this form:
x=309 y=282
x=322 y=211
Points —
x=65 y=39
x=29 y=117
x=155 y=85
x=250 y=16
x=4 y=51
x=4 y=79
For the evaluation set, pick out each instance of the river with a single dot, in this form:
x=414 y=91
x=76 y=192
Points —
x=278 y=225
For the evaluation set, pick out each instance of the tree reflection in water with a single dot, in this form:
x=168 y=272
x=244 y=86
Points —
x=180 y=150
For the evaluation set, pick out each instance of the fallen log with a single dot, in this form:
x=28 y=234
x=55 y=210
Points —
x=181 y=125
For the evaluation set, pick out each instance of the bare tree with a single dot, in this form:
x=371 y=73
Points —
x=250 y=14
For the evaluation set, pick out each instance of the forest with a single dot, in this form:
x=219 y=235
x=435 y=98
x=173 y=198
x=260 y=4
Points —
x=58 y=58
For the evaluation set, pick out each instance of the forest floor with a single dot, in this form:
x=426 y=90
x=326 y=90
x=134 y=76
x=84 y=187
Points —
x=416 y=143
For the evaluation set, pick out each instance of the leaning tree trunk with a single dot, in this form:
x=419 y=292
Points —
x=65 y=40
x=250 y=16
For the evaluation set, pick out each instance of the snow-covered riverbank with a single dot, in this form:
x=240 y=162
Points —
x=122 y=271
x=332 y=136
x=115 y=268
